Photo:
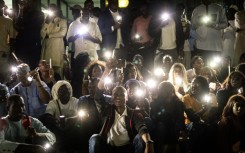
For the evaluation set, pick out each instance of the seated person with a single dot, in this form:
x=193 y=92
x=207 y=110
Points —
x=34 y=91
x=117 y=134
x=17 y=130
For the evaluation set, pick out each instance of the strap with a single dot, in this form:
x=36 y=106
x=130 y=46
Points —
x=59 y=107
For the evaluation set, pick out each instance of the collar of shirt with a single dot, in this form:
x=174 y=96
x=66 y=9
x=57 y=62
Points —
x=125 y=113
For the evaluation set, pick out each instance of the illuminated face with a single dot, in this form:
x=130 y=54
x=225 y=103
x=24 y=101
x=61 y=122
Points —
x=198 y=64
x=43 y=66
x=119 y=96
x=178 y=72
x=131 y=90
x=236 y=81
x=64 y=94
x=23 y=78
x=16 y=109
x=97 y=71
x=238 y=108
x=195 y=87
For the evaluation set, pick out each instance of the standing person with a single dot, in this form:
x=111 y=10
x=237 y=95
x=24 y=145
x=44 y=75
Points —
x=34 y=92
x=89 y=4
x=85 y=35
x=114 y=34
x=76 y=11
x=6 y=31
x=28 y=24
x=52 y=32
x=208 y=19
x=240 y=38
x=21 y=133
x=140 y=37
x=117 y=136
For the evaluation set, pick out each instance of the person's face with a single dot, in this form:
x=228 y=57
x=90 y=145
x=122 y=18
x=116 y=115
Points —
x=97 y=71
x=89 y=5
x=113 y=5
x=64 y=94
x=85 y=17
x=198 y=64
x=119 y=97
x=92 y=87
x=196 y=88
x=236 y=81
x=132 y=73
x=131 y=90
x=23 y=78
x=238 y=108
x=178 y=72
x=43 y=66
x=16 y=109
x=167 y=62
x=144 y=10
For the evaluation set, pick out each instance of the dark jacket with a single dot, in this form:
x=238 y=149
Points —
x=109 y=37
x=134 y=120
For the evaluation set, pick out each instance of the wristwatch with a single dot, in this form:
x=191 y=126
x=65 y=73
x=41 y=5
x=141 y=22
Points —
x=149 y=142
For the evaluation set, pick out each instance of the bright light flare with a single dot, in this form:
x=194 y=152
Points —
x=83 y=30
x=10 y=11
x=139 y=93
x=158 y=72
x=119 y=18
x=108 y=54
x=215 y=62
x=137 y=36
x=207 y=98
x=151 y=83
x=29 y=78
x=178 y=81
x=47 y=146
x=206 y=19
x=48 y=12
x=81 y=113
x=107 y=80
x=240 y=91
x=14 y=69
x=165 y=16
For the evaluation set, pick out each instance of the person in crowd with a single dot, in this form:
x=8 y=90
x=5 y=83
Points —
x=20 y=132
x=231 y=86
x=113 y=27
x=242 y=58
x=210 y=75
x=76 y=11
x=229 y=35
x=224 y=70
x=167 y=113
x=7 y=31
x=197 y=64
x=208 y=19
x=53 y=31
x=85 y=35
x=201 y=111
x=142 y=41
x=47 y=74
x=28 y=24
x=60 y=116
x=131 y=72
x=89 y=4
x=239 y=43
x=178 y=77
x=167 y=62
x=117 y=135
x=34 y=91
x=94 y=70
x=137 y=97
x=4 y=94
x=138 y=60
x=231 y=128
x=87 y=103
x=165 y=29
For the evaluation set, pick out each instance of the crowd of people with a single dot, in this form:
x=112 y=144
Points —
x=150 y=79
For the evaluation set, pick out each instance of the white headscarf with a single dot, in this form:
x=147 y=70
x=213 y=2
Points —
x=56 y=87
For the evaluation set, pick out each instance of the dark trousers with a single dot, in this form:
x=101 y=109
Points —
x=98 y=144
x=80 y=62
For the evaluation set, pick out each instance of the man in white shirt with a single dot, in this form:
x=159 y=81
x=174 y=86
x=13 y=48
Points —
x=86 y=37
x=208 y=20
